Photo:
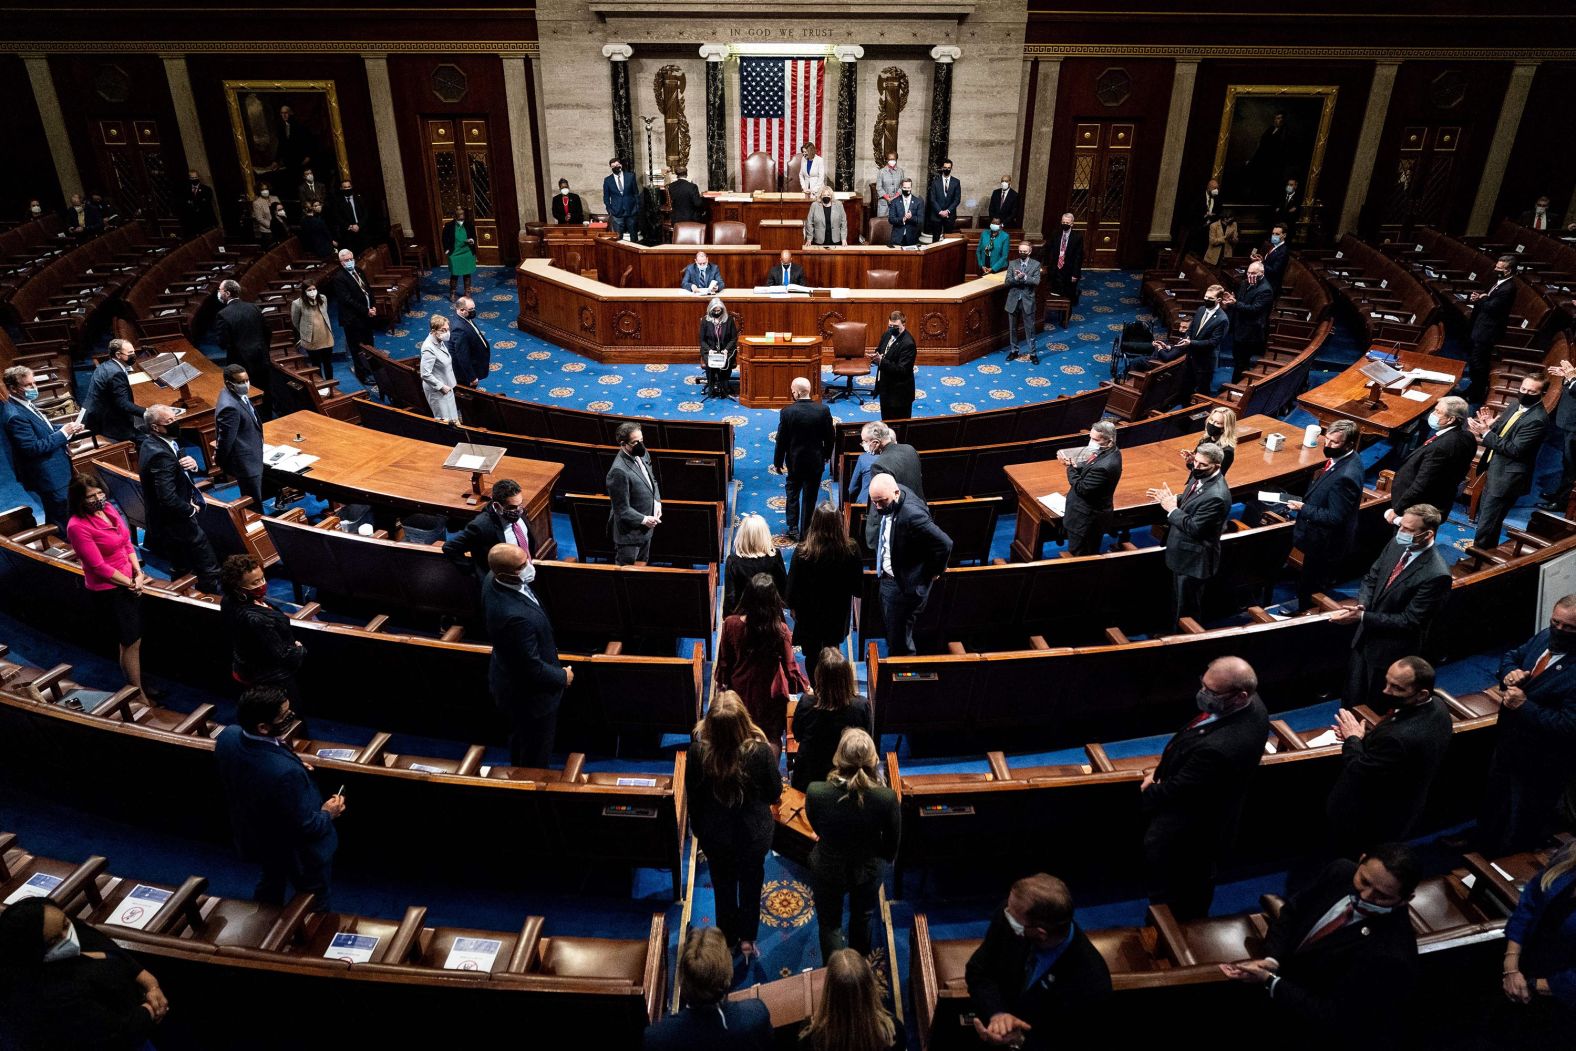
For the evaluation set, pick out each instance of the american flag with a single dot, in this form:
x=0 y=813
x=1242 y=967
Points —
x=780 y=103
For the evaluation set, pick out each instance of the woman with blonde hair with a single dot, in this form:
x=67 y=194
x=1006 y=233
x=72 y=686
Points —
x=753 y=552
x=850 y=1016
x=1220 y=427
x=732 y=789
x=437 y=371
x=1538 y=973
x=856 y=821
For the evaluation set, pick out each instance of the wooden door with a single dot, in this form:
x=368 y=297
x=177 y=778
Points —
x=459 y=170
x=132 y=169
x=1100 y=197
x=1423 y=184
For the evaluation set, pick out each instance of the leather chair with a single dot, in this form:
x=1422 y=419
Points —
x=791 y=176
x=880 y=231
x=728 y=232
x=760 y=173
x=689 y=233
x=880 y=278
x=848 y=357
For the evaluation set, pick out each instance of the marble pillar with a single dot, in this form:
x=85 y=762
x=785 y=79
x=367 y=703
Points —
x=623 y=120
x=1499 y=150
x=1182 y=79
x=716 y=118
x=54 y=121
x=1045 y=83
x=848 y=55
x=192 y=145
x=387 y=127
x=528 y=195
x=940 y=106
x=1367 y=146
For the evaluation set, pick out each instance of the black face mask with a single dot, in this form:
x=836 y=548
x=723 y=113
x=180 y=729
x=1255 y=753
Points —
x=1333 y=453
x=1201 y=472
x=1214 y=430
x=637 y=449
x=1067 y=226
x=1530 y=400
x=507 y=513
x=617 y=169
x=946 y=171
x=888 y=509
x=718 y=311
x=1561 y=641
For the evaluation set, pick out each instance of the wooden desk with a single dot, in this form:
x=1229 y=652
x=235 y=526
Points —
x=205 y=390
x=359 y=465
x=782 y=206
x=631 y=265
x=768 y=367
x=1346 y=396
x=1149 y=466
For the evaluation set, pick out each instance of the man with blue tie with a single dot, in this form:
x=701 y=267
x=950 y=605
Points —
x=240 y=435
x=173 y=501
x=786 y=272
x=525 y=678
x=911 y=555
x=905 y=215
x=702 y=277
x=38 y=447
x=622 y=197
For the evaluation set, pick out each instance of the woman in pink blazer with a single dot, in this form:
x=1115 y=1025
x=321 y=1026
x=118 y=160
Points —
x=110 y=571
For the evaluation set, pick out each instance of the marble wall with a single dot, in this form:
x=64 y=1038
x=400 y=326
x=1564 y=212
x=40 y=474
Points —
x=643 y=70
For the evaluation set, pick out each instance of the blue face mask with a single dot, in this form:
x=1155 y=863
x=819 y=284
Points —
x=1275 y=239
x=31 y=394
x=1405 y=539
x=349 y=264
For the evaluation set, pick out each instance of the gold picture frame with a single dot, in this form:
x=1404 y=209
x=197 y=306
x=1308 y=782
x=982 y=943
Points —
x=1229 y=165
x=251 y=122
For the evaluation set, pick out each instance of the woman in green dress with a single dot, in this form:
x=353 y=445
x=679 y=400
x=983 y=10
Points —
x=459 y=245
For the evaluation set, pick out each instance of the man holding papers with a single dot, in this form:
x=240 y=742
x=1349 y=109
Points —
x=702 y=277
x=1092 y=475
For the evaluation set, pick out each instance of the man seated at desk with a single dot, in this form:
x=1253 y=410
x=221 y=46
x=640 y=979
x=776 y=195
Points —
x=786 y=272
x=826 y=224
x=702 y=277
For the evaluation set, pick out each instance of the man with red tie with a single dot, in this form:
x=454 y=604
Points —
x=1540 y=218
x=1064 y=255
x=502 y=522
x=1326 y=525
x=1341 y=957
x=1193 y=798
x=1195 y=518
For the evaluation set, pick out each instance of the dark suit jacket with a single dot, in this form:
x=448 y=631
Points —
x=694 y=276
x=1250 y=315
x=1090 y=488
x=737 y=1025
x=1004 y=206
x=726 y=338
x=804 y=439
x=1433 y=471
x=1542 y=730
x=481 y=534
x=854 y=839
x=352 y=299
x=774 y=276
x=1193 y=541
x=734 y=830
x=919 y=548
x=1288 y=209
x=524 y=675
x=632 y=499
x=1202 y=780
x=1355 y=980
x=1275 y=261
x=568 y=209
x=895 y=374
x=1551 y=220
x=240 y=435
x=242 y=334
x=344 y=216
x=111 y=410
x=1396 y=619
x=688 y=205
x=168 y=492
x=624 y=205
x=916 y=213
x=470 y=351
x=1386 y=774
x=38 y=451
x=1491 y=314
x=1204 y=343
x=1565 y=409
x=316 y=238
x=1516 y=454
x=947 y=200
x=902 y=463
x=1327 y=523
x=1075 y=252
x=79 y=1003
x=276 y=809
x=1066 y=1009
x=92 y=218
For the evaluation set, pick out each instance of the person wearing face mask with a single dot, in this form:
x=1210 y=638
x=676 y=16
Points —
x=357 y=313
x=1541 y=217
x=244 y=336
x=38 y=447
x=437 y=371
x=525 y=677
x=1249 y=311
x=279 y=818
x=263 y=647
x=889 y=183
x=1326 y=527
x=568 y=209
x=1535 y=758
x=688 y=206
x=994 y=249
x=702 y=277
x=468 y=345
x=1431 y=473
x=719 y=346
x=826 y=223
x=263 y=214
x=310 y=190
x=905 y=215
x=111 y=411
x=1195 y=518
x=317 y=240
x=459 y=249
x=621 y=196
x=502 y=521
x=1092 y=476
x=894 y=359
x=636 y=497
x=196 y=207
x=65 y=984
x=1275 y=256
x=240 y=435
x=1512 y=441
x=1064 y=255
x=911 y=554
x=1341 y=956
x=1222 y=237
x=786 y=272
x=172 y=502
x=35 y=209
x=111 y=572
x=1022 y=278
x=1401 y=594
x=314 y=335
x=1288 y=206
x=882 y=453
x=1004 y=204
x=1563 y=422
x=1210 y=325
x=353 y=219
x=1387 y=769
x=1037 y=981
x=946 y=193
x=1193 y=798
x=1490 y=316
x=806 y=436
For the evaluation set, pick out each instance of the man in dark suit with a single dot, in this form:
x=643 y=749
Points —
x=1341 y=957
x=243 y=335
x=884 y=454
x=804 y=443
x=1557 y=497
x=621 y=197
x=702 y=277
x=357 y=312
x=172 y=501
x=1433 y=471
x=468 y=345
x=567 y=207
x=688 y=205
x=1064 y=258
x=278 y=816
x=1539 y=217
x=1195 y=518
x=710 y=1021
x=1205 y=331
x=525 y=677
x=1195 y=234
x=1535 y=759
x=1193 y=799
x=911 y=554
x=636 y=497
x=1401 y=593
x=1275 y=257
x=946 y=193
x=317 y=240
x=353 y=219
x=786 y=272
x=1288 y=203
x=1021 y=278
x=1327 y=513
x=38 y=447
x=1511 y=442
x=502 y=521
x=894 y=357
x=905 y=214
x=1037 y=981
x=196 y=208
x=1387 y=769
x=1092 y=475
x=1249 y=310
x=1004 y=203
x=82 y=218
x=111 y=411
x=240 y=435
x=1490 y=315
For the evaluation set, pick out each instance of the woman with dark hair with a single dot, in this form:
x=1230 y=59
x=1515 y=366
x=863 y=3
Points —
x=263 y=652
x=314 y=335
x=732 y=789
x=64 y=984
x=755 y=658
x=459 y=248
x=823 y=579
x=111 y=572
x=818 y=726
x=849 y=1016
x=856 y=824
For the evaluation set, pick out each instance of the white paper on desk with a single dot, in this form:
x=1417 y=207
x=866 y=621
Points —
x=336 y=753
x=1426 y=376
x=1327 y=737
x=425 y=769
x=1416 y=395
x=471 y=463
x=141 y=377
x=352 y=948
x=1267 y=496
x=636 y=782
x=717 y=359
x=139 y=906
x=1055 y=502
x=38 y=886
x=473 y=954
x=770 y=290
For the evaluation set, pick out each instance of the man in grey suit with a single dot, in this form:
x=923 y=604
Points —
x=889 y=456
x=826 y=223
x=111 y=410
x=1023 y=277
x=240 y=435
x=1511 y=442
x=637 y=499
x=1196 y=517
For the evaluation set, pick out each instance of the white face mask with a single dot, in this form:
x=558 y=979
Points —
x=264 y=193
x=528 y=574
x=1369 y=908
x=1093 y=448
x=892 y=164
x=564 y=190
x=1291 y=189
x=36 y=210
x=1006 y=185
x=1017 y=928
x=66 y=948
x=995 y=227
x=311 y=293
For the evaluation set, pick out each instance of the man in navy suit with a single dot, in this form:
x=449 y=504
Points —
x=243 y=335
x=905 y=214
x=1250 y=317
x=911 y=555
x=1536 y=756
x=525 y=677
x=111 y=410
x=1276 y=258
x=173 y=501
x=277 y=814
x=1196 y=517
x=702 y=277
x=1511 y=443
x=240 y=435
x=38 y=447
x=710 y=1021
x=1202 y=342
x=622 y=197
x=946 y=193
x=804 y=443
x=1327 y=514
x=1490 y=315
x=468 y=346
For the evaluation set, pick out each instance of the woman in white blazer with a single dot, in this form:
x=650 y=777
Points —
x=437 y=371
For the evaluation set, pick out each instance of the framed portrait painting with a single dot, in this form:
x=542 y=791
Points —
x=282 y=128
x=1269 y=135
